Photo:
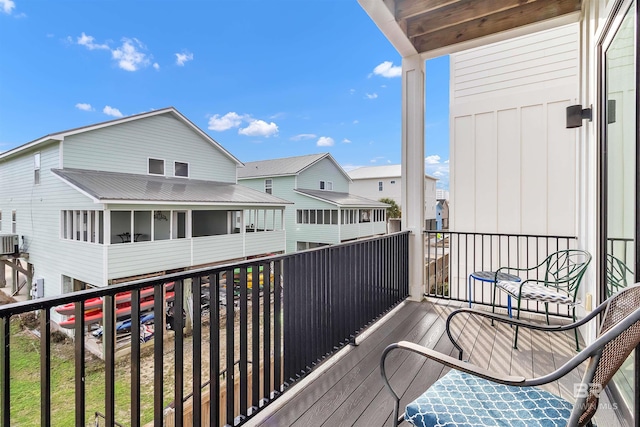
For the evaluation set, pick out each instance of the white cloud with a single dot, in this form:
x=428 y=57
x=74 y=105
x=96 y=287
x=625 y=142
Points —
x=388 y=70
x=438 y=170
x=371 y=95
x=110 y=111
x=325 y=141
x=182 y=58
x=84 y=107
x=7 y=6
x=346 y=141
x=156 y=65
x=432 y=160
x=129 y=57
x=226 y=122
x=355 y=122
x=352 y=91
x=259 y=128
x=278 y=116
x=303 y=136
x=88 y=42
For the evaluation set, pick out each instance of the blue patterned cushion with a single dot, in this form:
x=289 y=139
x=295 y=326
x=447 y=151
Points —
x=460 y=399
x=536 y=292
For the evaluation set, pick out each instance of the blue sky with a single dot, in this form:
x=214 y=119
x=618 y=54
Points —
x=264 y=79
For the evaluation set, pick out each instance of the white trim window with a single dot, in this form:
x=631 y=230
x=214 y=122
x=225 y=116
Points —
x=155 y=166
x=82 y=226
x=14 y=222
x=326 y=185
x=268 y=186
x=181 y=169
x=36 y=168
x=380 y=185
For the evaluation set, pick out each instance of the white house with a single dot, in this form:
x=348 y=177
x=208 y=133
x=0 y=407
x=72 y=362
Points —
x=522 y=161
x=140 y=195
x=376 y=182
x=324 y=210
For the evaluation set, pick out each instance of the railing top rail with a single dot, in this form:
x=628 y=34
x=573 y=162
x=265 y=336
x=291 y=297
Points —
x=45 y=303
x=476 y=233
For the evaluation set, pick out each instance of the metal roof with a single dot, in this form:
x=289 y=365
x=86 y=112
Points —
x=112 y=187
x=279 y=167
x=342 y=199
x=385 y=171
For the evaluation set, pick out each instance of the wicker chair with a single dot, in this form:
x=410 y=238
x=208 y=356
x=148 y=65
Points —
x=563 y=273
x=469 y=395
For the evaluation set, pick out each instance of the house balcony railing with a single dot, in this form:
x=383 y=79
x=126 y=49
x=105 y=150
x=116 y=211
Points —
x=252 y=329
x=451 y=256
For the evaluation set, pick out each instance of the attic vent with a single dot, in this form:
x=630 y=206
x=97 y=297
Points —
x=8 y=244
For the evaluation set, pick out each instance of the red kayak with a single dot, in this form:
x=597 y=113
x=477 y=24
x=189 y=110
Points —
x=123 y=310
x=96 y=303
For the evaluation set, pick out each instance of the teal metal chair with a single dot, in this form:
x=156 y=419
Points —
x=469 y=395
x=563 y=273
x=617 y=275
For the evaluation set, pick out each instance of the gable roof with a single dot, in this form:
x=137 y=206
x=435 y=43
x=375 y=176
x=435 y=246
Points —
x=114 y=187
x=59 y=136
x=342 y=199
x=385 y=171
x=285 y=166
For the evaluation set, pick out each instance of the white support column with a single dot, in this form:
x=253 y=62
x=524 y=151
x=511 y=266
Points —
x=413 y=110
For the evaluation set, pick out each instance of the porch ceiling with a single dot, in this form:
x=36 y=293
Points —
x=434 y=24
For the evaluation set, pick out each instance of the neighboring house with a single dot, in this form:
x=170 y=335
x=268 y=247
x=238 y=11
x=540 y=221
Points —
x=442 y=215
x=140 y=195
x=376 y=182
x=324 y=211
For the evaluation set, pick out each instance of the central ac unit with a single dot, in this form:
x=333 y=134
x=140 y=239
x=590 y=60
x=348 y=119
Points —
x=8 y=244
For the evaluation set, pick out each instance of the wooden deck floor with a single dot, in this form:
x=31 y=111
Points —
x=351 y=393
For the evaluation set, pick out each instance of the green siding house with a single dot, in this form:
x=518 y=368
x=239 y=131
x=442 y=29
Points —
x=324 y=212
x=140 y=195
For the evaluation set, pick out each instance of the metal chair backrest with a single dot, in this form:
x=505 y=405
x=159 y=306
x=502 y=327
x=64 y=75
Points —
x=609 y=355
x=565 y=269
x=617 y=275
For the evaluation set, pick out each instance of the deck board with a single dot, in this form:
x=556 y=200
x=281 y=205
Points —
x=351 y=392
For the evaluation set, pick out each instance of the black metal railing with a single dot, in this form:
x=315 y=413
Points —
x=334 y=294
x=252 y=329
x=452 y=256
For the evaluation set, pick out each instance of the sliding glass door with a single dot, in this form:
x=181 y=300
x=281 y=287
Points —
x=619 y=177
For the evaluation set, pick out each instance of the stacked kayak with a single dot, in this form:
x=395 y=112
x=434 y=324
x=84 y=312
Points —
x=93 y=307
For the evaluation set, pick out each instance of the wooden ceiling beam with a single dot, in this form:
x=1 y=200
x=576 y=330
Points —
x=458 y=13
x=405 y=9
x=529 y=13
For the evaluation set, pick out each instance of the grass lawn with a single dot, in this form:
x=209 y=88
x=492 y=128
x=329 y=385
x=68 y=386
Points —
x=25 y=382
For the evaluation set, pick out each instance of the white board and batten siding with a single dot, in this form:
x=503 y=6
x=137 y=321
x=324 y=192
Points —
x=513 y=162
x=127 y=147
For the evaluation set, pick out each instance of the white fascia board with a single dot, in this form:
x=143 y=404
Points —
x=28 y=145
x=317 y=198
x=78 y=189
x=330 y=157
x=172 y=203
x=266 y=176
x=386 y=22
